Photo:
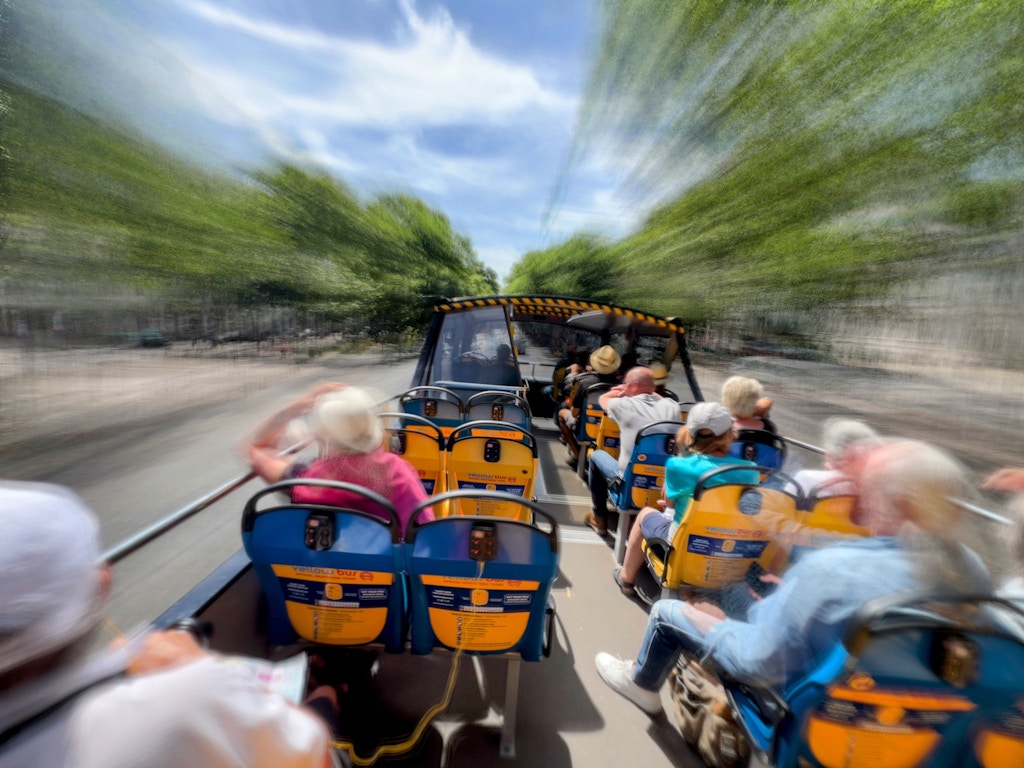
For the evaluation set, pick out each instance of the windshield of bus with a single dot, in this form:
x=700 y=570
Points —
x=476 y=346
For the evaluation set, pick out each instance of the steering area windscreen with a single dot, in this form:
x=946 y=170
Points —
x=475 y=347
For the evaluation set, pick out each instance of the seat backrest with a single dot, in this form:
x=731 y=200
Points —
x=830 y=518
x=716 y=542
x=492 y=405
x=609 y=436
x=491 y=456
x=764 y=448
x=482 y=584
x=644 y=477
x=917 y=681
x=441 y=406
x=331 y=575
x=421 y=443
x=590 y=418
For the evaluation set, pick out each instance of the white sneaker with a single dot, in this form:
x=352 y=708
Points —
x=618 y=673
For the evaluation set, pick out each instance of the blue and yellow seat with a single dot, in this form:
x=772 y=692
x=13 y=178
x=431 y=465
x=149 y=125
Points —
x=764 y=448
x=644 y=478
x=493 y=405
x=480 y=583
x=917 y=681
x=609 y=436
x=491 y=456
x=331 y=575
x=421 y=443
x=717 y=540
x=439 y=405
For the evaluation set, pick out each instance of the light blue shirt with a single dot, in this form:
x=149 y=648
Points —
x=810 y=609
x=683 y=472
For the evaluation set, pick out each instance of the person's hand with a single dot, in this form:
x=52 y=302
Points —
x=702 y=620
x=1009 y=479
x=618 y=390
x=165 y=650
x=309 y=399
x=767 y=578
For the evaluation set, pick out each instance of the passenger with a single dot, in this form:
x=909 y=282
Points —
x=164 y=704
x=704 y=442
x=660 y=373
x=744 y=397
x=346 y=420
x=505 y=372
x=917 y=543
x=555 y=390
x=633 y=405
x=603 y=368
x=842 y=440
x=1011 y=480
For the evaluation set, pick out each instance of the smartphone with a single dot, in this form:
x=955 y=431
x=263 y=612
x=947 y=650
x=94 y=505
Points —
x=753 y=579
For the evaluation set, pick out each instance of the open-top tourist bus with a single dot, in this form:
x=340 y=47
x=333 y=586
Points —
x=470 y=639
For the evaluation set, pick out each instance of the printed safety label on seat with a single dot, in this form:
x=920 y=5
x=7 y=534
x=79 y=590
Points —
x=858 y=728
x=717 y=560
x=335 y=606
x=479 y=614
x=725 y=547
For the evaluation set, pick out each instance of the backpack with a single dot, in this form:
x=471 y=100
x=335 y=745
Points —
x=704 y=717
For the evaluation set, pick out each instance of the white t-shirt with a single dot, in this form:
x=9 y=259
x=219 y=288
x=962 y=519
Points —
x=210 y=713
x=633 y=414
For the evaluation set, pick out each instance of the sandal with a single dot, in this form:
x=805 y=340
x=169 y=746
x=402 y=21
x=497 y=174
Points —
x=627 y=588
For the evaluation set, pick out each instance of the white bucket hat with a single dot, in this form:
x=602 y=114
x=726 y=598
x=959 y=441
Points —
x=348 y=418
x=50 y=571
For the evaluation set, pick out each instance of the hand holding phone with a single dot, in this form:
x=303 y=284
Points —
x=761 y=587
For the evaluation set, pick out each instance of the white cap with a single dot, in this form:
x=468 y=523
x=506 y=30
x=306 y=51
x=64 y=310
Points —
x=49 y=569
x=349 y=418
x=711 y=416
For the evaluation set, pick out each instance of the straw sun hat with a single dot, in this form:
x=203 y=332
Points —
x=348 y=418
x=605 y=359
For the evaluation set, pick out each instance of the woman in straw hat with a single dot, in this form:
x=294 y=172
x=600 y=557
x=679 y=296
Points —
x=345 y=420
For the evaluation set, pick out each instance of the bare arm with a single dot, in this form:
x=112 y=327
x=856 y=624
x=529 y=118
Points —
x=1008 y=479
x=611 y=394
x=261 y=447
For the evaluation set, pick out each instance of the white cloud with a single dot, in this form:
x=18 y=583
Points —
x=434 y=75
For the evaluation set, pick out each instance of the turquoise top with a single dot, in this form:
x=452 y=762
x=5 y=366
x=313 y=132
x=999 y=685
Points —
x=683 y=472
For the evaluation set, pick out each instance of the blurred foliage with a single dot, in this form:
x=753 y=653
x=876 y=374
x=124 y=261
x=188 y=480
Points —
x=583 y=266
x=4 y=117
x=98 y=215
x=803 y=153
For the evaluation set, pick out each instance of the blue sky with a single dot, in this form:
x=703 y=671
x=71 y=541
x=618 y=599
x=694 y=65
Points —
x=469 y=104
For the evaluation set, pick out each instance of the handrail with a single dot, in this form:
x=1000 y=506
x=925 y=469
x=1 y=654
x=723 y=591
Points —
x=173 y=520
x=800 y=444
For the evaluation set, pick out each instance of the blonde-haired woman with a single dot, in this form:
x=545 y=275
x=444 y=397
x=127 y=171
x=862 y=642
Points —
x=744 y=397
x=345 y=421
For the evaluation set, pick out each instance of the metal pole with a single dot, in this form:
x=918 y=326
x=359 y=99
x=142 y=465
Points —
x=145 y=536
